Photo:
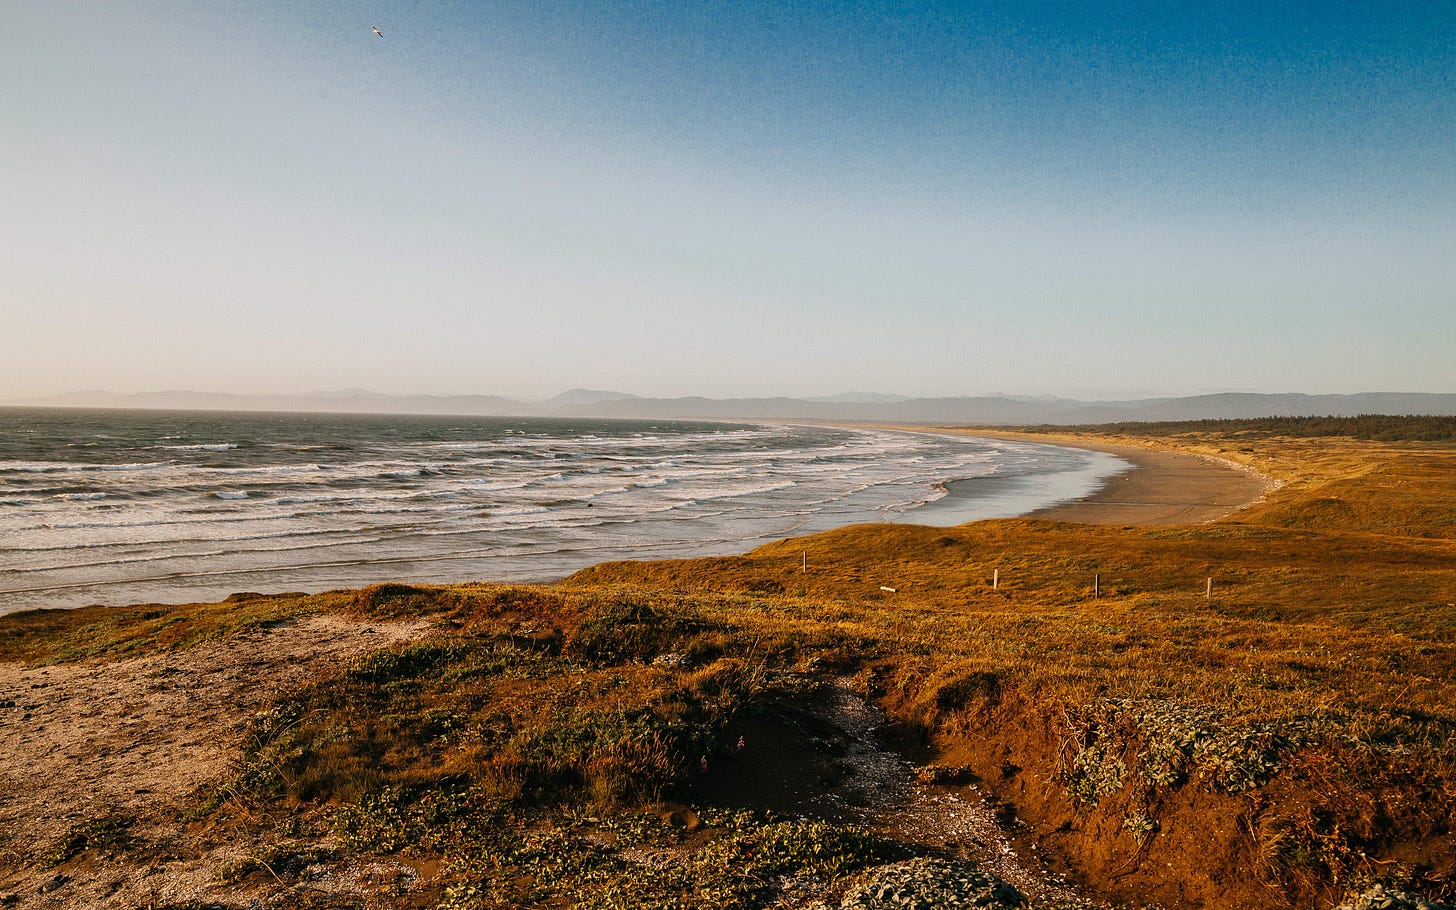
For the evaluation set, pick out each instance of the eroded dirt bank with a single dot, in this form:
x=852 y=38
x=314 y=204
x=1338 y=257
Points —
x=1198 y=856
x=839 y=757
x=1189 y=844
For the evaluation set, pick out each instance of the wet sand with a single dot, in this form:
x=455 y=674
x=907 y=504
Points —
x=1163 y=488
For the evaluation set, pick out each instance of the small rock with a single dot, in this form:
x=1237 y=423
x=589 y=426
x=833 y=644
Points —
x=55 y=883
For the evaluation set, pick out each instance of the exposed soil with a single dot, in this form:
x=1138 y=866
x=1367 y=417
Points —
x=1199 y=856
x=837 y=758
x=136 y=739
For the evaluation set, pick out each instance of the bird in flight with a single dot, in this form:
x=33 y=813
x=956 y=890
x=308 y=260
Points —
x=378 y=32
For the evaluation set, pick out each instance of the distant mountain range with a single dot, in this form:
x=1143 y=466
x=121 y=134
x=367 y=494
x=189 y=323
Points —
x=988 y=410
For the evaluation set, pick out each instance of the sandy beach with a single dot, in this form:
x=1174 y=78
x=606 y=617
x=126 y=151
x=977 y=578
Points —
x=1162 y=488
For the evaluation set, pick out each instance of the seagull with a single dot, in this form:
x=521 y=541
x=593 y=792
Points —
x=378 y=32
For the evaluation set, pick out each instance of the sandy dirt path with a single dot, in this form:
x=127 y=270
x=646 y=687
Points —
x=139 y=736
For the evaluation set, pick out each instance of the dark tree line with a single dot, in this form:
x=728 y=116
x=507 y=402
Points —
x=1381 y=427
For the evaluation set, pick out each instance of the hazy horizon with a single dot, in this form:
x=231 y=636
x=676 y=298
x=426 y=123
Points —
x=848 y=395
x=728 y=200
x=579 y=394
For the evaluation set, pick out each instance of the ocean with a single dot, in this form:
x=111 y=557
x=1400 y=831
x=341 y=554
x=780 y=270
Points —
x=124 y=507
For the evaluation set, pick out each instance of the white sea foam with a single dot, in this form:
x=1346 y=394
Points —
x=737 y=491
x=48 y=467
x=122 y=523
x=118 y=561
x=312 y=500
x=610 y=491
x=272 y=469
x=486 y=485
x=316 y=546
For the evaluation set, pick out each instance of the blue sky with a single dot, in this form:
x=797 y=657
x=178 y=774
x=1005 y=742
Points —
x=728 y=198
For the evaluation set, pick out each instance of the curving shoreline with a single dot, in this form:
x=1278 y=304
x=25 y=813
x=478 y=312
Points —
x=1162 y=488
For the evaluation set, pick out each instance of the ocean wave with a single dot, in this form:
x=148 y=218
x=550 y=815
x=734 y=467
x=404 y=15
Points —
x=488 y=485
x=318 y=545
x=49 y=467
x=310 y=500
x=351 y=531
x=489 y=462
x=117 y=561
x=464 y=446
x=273 y=469
x=223 y=517
x=421 y=471
x=610 y=491
x=735 y=492
x=711 y=457
x=206 y=447
x=229 y=494
x=296 y=447
x=363 y=512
